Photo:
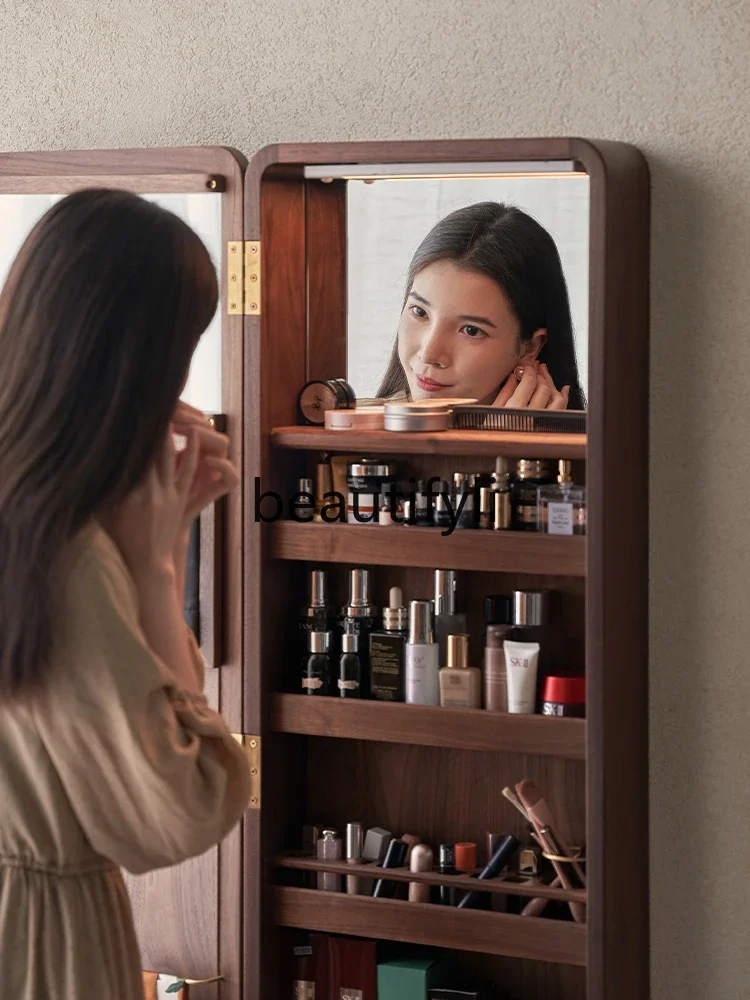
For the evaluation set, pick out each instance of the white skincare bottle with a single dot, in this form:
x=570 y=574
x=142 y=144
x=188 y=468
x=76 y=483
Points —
x=421 y=657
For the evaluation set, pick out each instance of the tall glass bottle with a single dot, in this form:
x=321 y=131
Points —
x=350 y=667
x=387 y=651
x=316 y=670
x=447 y=620
x=421 y=657
x=531 y=474
x=359 y=616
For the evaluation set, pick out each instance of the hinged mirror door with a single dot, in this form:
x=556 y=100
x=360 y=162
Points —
x=187 y=917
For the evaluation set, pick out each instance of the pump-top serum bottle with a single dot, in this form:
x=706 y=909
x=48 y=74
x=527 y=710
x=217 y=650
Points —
x=447 y=620
x=421 y=657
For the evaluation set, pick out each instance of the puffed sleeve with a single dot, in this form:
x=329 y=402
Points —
x=151 y=771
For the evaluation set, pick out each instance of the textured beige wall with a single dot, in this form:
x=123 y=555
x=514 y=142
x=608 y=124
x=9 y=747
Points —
x=670 y=76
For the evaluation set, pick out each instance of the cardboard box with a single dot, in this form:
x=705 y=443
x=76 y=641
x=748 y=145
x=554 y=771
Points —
x=409 y=978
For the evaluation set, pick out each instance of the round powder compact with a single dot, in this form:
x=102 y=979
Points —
x=364 y=418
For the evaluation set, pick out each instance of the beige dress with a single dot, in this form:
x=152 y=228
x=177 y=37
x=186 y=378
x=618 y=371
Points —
x=112 y=766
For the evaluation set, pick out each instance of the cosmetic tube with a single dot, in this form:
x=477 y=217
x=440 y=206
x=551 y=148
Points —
x=420 y=861
x=447 y=867
x=354 y=843
x=521 y=663
x=508 y=847
x=394 y=858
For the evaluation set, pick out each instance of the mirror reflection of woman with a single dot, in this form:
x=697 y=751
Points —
x=486 y=316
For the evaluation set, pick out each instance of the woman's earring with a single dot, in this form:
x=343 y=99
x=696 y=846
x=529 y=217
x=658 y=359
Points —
x=518 y=372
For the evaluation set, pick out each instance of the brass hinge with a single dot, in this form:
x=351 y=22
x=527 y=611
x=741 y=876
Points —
x=243 y=278
x=251 y=745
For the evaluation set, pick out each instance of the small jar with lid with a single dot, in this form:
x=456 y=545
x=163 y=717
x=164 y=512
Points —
x=530 y=475
x=368 y=479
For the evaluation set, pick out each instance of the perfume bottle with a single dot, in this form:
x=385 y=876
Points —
x=387 y=647
x=464 y=492
x=443 y=514
x=460 y=684
x=304 y=507
x=502 y=508
x=423 y=515
x=359 y=616
x=486 y=511
x=323 y=485
x=561 y=508
x=531 y=474
x=421 y=657
x=447 y=620
x=316 y=671
x=350 y=666
x=329 y=849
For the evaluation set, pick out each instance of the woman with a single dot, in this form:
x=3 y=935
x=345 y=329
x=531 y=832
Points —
x=109 y=753
x=486 y=315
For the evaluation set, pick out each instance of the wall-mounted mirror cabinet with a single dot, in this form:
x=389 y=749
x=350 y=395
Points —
x=417 y=272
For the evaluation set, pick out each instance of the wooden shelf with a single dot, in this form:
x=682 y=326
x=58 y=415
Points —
x=526 y=445
x=462 y=728
x=398 y=545
x=535 y=938
x=503 y=886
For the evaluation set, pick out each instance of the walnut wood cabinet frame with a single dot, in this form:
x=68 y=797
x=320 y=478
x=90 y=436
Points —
x=302 y=334
x=218 y=914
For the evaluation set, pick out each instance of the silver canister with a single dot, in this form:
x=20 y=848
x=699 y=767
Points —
x=529 y=607
x=420 y=623
x=359 y=605
x=445 y=592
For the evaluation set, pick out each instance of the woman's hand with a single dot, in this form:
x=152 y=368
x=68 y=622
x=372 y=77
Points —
x=535 y=391
x=215 y=475
x=147 y=524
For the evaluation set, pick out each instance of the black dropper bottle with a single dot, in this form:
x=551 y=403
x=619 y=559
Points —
x=350 y=666
x=316 y=671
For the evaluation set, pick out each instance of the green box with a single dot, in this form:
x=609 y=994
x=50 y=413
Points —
x=409 y=978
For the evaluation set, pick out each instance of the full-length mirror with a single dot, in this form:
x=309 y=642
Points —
x=455 y=283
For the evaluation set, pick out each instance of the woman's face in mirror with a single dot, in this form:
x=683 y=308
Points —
x=457 y=335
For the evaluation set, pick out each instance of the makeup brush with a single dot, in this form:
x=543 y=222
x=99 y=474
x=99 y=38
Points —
x=542 y=819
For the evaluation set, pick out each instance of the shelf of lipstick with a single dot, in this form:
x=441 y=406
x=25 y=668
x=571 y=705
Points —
x=527 y=495
x=530 y=881
x=420 y=655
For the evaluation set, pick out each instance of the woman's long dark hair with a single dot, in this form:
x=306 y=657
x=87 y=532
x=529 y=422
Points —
x=510 y=247
x=99 y=318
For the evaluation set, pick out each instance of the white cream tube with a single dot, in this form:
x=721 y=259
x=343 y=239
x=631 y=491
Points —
x=522 y=663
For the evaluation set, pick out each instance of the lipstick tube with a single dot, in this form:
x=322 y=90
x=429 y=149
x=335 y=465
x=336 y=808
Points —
x=508 y=847
x=354 y=842
x=420 y=861
x=447 y=866
x=394 y=858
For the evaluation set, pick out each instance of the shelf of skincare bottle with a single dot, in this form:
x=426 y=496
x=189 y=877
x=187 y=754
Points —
x=531 y=553
x=432 y=726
